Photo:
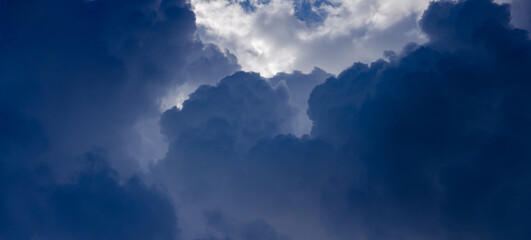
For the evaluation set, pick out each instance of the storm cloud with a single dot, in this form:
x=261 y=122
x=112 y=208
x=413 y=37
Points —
x=117 y=122
x=431 y=143
x=76 y=78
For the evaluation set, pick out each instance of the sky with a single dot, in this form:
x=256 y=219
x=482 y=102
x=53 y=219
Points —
x=265 y=119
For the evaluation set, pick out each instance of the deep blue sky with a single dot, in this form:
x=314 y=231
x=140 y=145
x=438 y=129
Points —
x=429 y=142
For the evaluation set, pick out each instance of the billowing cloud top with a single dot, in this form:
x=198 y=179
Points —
x=284 y=35
x=431 y=142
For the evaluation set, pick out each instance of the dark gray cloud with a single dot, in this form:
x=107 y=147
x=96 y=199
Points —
x=76 y=77
x=520 y=10
x=217 y=124
x=89 y=70
x=227 y=228
x=94 y=203
x=429 y=144
x=210 y=135
x=441 y=132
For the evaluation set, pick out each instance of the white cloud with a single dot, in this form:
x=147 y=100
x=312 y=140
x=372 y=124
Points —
x=273 y=39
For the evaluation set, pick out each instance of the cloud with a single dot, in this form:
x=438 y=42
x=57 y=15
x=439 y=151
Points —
x=519 y=13
x=281 y=36
x=207 y=65
x=223 y=121
x=209 y=136
x=90 y=70
x=285 y=35
x=93 y=204
x=86 y=70
x=226 y=152
x=80 y=83
x=440 y=132
x=229 y=228
x=430 y=143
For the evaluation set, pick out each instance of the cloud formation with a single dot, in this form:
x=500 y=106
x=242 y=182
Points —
x=441 y=131
x=78 y=79
x=283 y=35
x=431 y=143
x=94 y=203
x=89 y=70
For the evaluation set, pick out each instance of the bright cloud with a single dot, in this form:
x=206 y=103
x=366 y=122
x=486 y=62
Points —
x=281 y=36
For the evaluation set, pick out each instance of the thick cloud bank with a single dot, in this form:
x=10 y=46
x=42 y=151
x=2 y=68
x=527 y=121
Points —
x=432 y=143
x=442 y=131
x=76 y=78
x=93 y=204
x=218 y=123
x=212 y=141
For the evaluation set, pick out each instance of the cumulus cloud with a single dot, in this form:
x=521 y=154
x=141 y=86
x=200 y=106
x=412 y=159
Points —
x=431 y=143
x=435 y=131
x=92 y=204
x=89 y=71
x=284 y=35
x=209 y=136
x=219 y=123
x=82 y=80
x=281 y=36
